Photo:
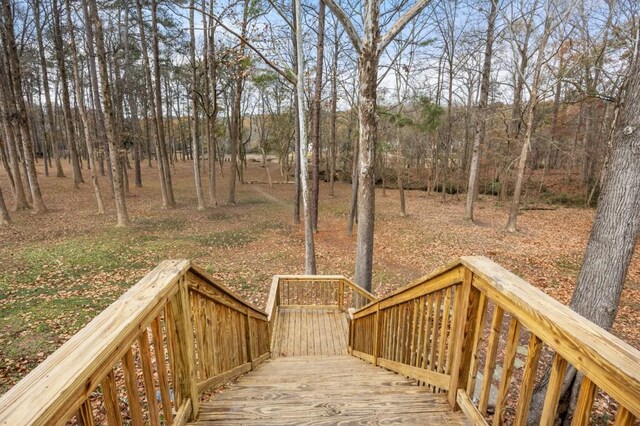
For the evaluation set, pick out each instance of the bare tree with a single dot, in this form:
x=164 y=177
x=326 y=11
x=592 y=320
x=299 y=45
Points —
x=195 y=150
x=20 y=113
x=369 y=48
x=121 y=207
x=481 y=117
x=84 y=115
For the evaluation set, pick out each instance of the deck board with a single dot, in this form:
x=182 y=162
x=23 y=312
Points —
x=310 y=332
x=325 y=390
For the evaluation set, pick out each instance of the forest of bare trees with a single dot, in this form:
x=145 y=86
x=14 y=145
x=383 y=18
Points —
x=518 y=100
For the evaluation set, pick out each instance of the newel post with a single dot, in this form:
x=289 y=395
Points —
x=184 y=347
x=465 y=312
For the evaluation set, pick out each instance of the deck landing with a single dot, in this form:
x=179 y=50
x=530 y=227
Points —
x=325 y=391
x=310 y=332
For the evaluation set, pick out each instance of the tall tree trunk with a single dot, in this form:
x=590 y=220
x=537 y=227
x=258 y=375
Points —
x=211 y=82
x=478 y=138
x=309 y=246
x=66 y=99
x=121 y=207
x=163 y=156
x=45 y=84
x=315 y=119
x=194 y=108
x=151 y=104
x=355 y=175
x=11 y=139
x=95 y=90
x=530 y=115
x=84 y=115
x=333 y=116
x=5 y=219
x=613 y=238
x=21 y=115
x=298 y=159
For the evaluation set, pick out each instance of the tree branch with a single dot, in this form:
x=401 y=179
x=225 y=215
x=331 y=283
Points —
x=401 y=23
x=346 y=23
x=250 y=46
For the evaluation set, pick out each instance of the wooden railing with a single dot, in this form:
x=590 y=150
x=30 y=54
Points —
x=328 y=291
x=482 y=335
x=147 y=358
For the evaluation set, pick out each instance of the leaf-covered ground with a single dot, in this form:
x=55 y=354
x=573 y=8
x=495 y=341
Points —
x=59 y=270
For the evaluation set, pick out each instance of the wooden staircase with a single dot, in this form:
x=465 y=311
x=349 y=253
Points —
x=463 y=345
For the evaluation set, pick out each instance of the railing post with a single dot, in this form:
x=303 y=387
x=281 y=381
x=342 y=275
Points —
x=341 y=295
x=248 y=340
x=376 y=336
x=184 y=347
x=463 y=328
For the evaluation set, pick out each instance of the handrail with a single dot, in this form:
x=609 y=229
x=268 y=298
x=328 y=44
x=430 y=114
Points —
x=175 y=333
x=446 y=328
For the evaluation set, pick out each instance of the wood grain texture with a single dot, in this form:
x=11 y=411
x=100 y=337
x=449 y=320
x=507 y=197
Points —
x=612 y=364
x=55 y=389
x=310 y=332
x=325 y=390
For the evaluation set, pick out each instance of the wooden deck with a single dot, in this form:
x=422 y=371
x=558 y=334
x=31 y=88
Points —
x=326 y=390
x=311 y=332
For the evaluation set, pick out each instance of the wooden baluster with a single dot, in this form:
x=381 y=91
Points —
x=587 y=394
x=376 y=334
x=415 y=318
x=477 y=337
x=341 y=295
x=131 y=384
x=624 y=417
x=161 y=366
x=249 y=340
x=404 y=309
x=84 y=417
x=464 y=313
x=111 y=402
x=420 y=331
x=510 y=352
x=554 y=388
x=147 y=374
x=437 y=311
x=528 y=379
x=490 y=359
x=446 y=306
x=427 y=333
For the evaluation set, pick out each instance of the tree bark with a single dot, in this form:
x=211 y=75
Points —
x=315 y=119
x=194 y=108
x=5 y=219
x=95 y=91
x=614 y=233
x=121 y=207
x=66 y=99
x=50 y=121
x=163 y=155
x=478 y=138
x=21 y=115
x=84 y=115
x=530 y=115
x=11 y=139
x=309 y=246
x=151 y=101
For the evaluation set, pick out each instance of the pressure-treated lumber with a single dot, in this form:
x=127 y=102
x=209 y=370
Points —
x=325 y=390
x=56 y=388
